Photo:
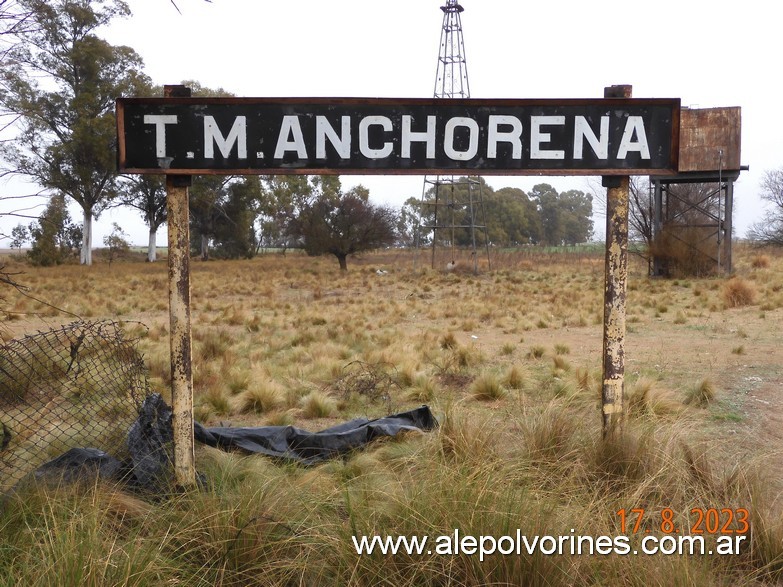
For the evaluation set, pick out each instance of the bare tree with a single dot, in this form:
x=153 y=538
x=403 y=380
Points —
x=769 y=231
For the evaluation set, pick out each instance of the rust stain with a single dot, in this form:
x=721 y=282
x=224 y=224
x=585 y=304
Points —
x=704 y=133
x=615 y=292
x=180 y=333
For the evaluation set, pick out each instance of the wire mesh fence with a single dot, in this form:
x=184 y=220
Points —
x=80 y=385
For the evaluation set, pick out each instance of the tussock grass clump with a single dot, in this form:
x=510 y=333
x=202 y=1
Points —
x=737 y=293
x=317 y=405
x=261 y=397
x=646 y=397
x=487 y=387
x=515 y=377
x=424 y=389
x=536 y=352
x=465 y=439
x=560 y=364
x=214 y=343
x=467 y=356
x=582 y=376
x=760 y=261
x=549 y=433
x=217 y=401
x=701 y=395
x=448 y=341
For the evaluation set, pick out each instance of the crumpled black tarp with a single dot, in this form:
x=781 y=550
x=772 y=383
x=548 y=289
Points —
x=308 y=448
x=149 y=468
x=78 y=463
x=149 y=442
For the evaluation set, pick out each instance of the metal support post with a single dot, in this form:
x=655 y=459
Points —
x=728 y=226
x=615 y=289
x=179 y=318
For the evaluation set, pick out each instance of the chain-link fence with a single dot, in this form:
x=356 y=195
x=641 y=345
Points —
x=80 y=385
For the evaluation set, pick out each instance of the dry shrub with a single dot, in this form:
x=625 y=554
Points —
x=760 y=261
x=738 y=293
x=685 y=251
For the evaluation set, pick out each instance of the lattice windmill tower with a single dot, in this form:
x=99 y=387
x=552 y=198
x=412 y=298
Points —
x=451 y=205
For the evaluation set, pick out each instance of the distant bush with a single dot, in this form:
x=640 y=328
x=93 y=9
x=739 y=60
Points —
x=738 y=292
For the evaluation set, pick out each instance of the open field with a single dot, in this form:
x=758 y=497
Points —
x=510 y=363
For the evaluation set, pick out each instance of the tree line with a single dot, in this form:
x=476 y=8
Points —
x=58 y=86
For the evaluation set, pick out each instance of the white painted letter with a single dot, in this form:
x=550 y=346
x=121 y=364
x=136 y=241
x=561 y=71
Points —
x=448 y=139
x=212 y=135
x=160 y=121
x=514 y=136
x=324 y=130
x=537 y=137
x=634 y=124
x=582 y=131
x=408 y=136
x=290 y=127
x=364 y=137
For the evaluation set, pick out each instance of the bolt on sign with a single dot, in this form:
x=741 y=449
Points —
x=193 y=136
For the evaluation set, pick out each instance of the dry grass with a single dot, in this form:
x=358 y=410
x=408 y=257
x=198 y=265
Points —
x=272 y=337
x=738 y=293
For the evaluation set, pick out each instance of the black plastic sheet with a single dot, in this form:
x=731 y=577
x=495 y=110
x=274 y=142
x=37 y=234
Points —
x=149 y=468
x=294 y=444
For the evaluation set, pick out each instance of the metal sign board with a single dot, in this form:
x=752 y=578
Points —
x=195 y=136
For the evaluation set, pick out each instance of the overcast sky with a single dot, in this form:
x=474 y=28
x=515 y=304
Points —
x=707 y=53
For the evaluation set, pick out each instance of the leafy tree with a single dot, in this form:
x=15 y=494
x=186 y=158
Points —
x=566 y=218
x=19 y=236
x=62 y=81
x=770 y=230
x=545 y=197
x=207 y=197
x=343 y=224
x=147 y=194
x=223 y=211
x=282 y=199
x=408 y=224
x=512 y=218
x=576 y=211
x=235 y=235
x=54 y=237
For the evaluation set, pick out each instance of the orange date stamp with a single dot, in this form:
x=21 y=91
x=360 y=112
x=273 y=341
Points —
x=700 y=521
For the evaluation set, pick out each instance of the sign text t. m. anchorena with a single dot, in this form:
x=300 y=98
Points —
x=519 y=137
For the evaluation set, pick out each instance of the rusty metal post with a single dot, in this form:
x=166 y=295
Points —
x=727 y=226
x=179 y=318
x=615 y=289
x=180 y=338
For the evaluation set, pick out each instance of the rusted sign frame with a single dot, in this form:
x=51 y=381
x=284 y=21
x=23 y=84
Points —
x=663 y=114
